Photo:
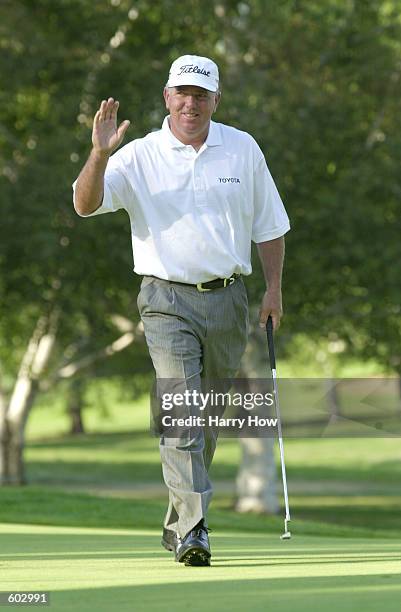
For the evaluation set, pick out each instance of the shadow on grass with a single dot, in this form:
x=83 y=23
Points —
x=137 y=442
x=383 y=472
x=49 y=506
x=373 y=516
x=99 y=472
x=62 y=468
x=96 y=439
x=47 y=543
x=196 y=592
x=238 y=561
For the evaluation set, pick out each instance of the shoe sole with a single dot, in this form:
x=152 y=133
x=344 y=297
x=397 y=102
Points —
x=196 y=557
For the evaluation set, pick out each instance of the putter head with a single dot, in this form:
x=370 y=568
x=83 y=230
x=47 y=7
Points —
x=287 y=534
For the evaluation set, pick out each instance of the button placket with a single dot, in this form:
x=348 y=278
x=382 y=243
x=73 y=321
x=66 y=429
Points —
x=199 y=188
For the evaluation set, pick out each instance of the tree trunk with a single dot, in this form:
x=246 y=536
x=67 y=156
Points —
x=30 y=379
x=20 y=405
x=399 y=392
x=4 y=436
x=75 y=405
x=333 y=400
x=256 y=482
x=34 y=361
x=256 y=479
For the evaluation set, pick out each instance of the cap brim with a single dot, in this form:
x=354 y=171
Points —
x=192 y=79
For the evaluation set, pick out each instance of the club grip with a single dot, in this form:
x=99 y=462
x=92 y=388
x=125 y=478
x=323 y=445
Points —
x=270 y=342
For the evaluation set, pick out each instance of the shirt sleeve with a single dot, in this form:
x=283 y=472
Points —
x=117 y=189
x=270 y=219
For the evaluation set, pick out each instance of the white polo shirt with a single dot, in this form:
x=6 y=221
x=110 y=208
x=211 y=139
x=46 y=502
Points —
x=194 y=213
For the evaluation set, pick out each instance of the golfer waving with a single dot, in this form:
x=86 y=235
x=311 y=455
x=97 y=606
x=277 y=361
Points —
x=197 y=193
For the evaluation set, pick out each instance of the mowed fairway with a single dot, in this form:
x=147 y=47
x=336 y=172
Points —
x=87 y=527
x=109 y=569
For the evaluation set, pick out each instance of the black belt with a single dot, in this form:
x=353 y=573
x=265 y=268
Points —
x=216 y=283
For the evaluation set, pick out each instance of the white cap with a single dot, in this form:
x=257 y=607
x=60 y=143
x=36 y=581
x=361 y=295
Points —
x=194 y=70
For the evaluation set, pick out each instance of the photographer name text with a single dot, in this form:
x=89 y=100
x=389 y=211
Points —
x=198 y=421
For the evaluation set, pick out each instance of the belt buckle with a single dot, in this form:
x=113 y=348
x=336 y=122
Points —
x=200 y=288
x=229 y=281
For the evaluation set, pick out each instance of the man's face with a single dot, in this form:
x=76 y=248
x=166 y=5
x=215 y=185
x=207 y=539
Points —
x=191 y=108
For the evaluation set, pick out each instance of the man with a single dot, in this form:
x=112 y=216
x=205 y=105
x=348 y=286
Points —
x=197 y=193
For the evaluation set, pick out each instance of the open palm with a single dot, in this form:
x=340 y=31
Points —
x=106 y=136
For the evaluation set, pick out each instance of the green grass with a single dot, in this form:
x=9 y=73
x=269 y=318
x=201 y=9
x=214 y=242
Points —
x=333 y=482
x=46 y=506
x=317 y=468
x=134 y=457
x=345 y=485
x=117 y=446
x=107 y=569
x=87 y=526
x=107 y=410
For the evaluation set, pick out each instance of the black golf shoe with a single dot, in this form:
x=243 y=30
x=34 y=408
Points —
x=170 y=539
x=194 y=549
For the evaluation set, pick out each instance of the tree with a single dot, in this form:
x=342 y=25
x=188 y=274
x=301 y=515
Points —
x=316 y=83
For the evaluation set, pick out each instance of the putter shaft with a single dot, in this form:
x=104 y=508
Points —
x=269 y=329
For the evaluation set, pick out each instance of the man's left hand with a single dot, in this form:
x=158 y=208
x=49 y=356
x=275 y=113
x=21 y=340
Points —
x=271 y=306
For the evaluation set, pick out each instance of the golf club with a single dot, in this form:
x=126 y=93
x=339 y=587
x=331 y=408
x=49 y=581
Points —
x=272 y=358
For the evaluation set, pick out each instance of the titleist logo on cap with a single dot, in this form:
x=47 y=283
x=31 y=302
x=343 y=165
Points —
x=192 y=68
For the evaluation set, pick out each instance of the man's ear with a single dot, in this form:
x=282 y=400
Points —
x=217 y=100
x=166 y=95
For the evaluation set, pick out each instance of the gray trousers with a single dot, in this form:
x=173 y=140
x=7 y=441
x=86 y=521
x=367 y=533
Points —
x=192 y=336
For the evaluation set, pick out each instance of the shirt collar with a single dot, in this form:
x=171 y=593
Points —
x=213 y=138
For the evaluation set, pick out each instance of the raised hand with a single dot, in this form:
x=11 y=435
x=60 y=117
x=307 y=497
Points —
x=106 y=137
